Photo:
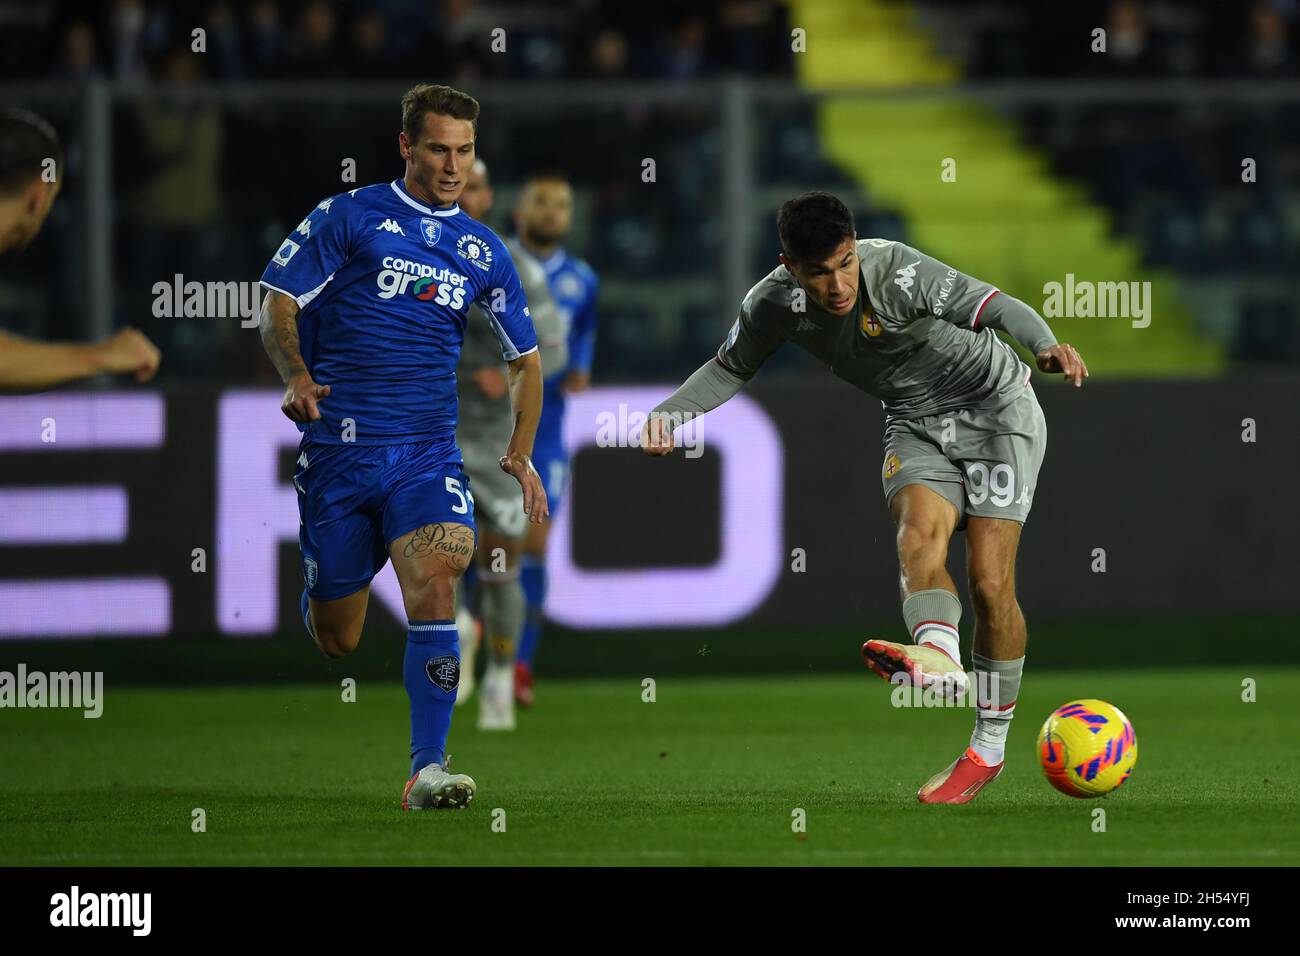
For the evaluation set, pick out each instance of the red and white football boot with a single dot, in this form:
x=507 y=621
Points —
x=924 y=664
x=965 y=777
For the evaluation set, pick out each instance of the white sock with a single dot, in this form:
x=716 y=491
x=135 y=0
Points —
x=990 y=739
x=932 y=617
x=999 y=682
x=942 y=636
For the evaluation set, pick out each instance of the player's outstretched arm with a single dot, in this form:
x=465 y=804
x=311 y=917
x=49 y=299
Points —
x=1028 y=328
x=707 y=388
x=526 y=403
x=25 y=364
x=279 y=328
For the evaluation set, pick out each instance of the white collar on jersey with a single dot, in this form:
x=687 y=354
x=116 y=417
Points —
x=406 y=198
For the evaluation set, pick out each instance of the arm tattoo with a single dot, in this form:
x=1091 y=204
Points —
x=452 y=544
x=279 y=328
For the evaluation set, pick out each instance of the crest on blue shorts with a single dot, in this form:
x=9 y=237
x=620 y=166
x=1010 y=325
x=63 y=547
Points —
x=431 y=229
x=310 y=572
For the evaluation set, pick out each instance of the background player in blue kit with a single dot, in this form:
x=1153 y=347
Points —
x=364 y=317
x=542 y=218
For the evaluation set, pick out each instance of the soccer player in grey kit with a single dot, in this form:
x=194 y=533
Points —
x=486 y=422
x=964 y=438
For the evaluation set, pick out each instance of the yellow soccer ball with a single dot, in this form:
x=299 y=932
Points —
x=1087 y=748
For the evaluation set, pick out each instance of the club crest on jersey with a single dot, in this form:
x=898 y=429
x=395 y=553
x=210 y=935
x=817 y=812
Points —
x=443 y=672
x=310 y=572
x=892 y=464
x=474 y=249
x=431 y=229
x=568 y=286
x=870 y=324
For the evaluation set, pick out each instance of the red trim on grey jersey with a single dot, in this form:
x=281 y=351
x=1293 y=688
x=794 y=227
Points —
x=975 y=322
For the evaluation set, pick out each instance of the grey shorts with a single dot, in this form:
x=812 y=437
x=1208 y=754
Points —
x=498 y=499
x=985 y=462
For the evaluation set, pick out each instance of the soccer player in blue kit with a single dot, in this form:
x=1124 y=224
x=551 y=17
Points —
x=543 y=216
x=364 y=318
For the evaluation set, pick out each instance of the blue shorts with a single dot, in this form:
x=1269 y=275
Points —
x=355 y=500
x=549 y=456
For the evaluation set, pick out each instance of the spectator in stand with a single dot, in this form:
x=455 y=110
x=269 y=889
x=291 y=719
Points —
x=368 y=48
x=265 y=39
x=1266 y=50
x=77 y=59
x=607 y=55
x=313 y=49
x=687 y=57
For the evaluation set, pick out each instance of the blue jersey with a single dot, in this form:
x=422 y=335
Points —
x=574 y=286
x=384 y=284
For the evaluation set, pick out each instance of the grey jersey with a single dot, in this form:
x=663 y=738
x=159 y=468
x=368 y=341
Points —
x=485 y=419
x=913 y=339
x=481 y=418
x=550 y=321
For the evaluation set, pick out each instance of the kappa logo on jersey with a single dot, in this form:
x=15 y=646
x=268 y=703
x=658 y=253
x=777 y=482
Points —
x=870 y=324
x=325 y=205
x=285 y=252
x=431 y=230
x=474 y=249
x=441 y=286
x=805 y=325
x=304 y=227
x=443 y=672
x=390 y=226
x=906 y=277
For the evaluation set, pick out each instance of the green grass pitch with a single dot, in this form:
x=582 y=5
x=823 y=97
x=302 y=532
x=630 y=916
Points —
x=709 y=773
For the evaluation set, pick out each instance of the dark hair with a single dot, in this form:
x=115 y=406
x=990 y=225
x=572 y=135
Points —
x=442 y=100
x=546 y=174
x=813 y=225
x=26 y=142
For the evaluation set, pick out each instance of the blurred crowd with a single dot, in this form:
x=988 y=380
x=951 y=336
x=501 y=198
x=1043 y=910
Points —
x=1144 y=38
x=380 y=39
x=192 y=197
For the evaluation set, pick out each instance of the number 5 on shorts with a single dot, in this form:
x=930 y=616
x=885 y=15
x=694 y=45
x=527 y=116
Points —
x=454 y=488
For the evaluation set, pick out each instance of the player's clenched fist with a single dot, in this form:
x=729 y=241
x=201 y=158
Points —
x=657 y=435
x=300 y=397
x=128 y=350
x=1063 y=358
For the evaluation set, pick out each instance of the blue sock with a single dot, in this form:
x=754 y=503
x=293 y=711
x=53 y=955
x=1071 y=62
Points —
x=306 y=614
x=532 y=575
x=431 y=673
